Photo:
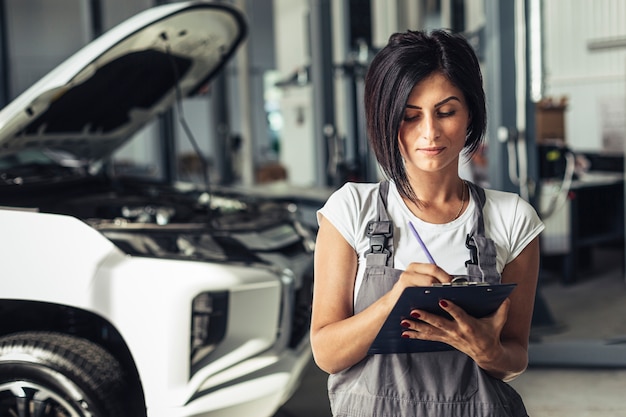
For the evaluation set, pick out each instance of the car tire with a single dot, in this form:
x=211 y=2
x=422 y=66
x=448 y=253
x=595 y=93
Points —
x=51 y=374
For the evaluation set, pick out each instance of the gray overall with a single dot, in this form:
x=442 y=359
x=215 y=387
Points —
x=425 y=384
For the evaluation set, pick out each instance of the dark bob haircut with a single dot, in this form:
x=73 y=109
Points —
x=407 y=59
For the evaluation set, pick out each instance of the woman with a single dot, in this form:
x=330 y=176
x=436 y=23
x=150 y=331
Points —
x=425 y=105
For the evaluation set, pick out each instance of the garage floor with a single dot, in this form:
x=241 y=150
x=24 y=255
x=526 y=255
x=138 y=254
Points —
x=581 y=389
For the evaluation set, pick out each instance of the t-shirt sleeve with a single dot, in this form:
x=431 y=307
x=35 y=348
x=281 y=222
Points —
x=339 y=210
x=526 y=226
x=349 y=208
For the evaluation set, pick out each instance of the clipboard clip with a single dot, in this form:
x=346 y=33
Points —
x=461 y=284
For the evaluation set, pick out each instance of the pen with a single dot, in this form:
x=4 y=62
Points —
x=421 y=242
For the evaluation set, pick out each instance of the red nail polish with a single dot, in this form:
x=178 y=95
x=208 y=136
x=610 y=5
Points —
x=404 y=323
x=405 y=336
x=443 y=303
x=415 y=315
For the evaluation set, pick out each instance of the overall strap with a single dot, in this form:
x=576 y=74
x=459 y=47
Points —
x=380 y=232
x=482 y=263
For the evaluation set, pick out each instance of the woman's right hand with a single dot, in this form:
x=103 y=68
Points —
x=421 y=275
x=340 y=338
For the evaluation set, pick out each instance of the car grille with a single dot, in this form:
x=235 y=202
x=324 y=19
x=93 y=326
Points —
x=302 y=309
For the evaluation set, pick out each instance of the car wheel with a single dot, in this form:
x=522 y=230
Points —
x=50 y=374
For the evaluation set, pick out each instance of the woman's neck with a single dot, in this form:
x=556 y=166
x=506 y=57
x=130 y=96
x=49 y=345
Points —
x=438 y=201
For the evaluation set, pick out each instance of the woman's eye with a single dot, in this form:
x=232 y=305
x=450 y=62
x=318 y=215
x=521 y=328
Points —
x=446 y=113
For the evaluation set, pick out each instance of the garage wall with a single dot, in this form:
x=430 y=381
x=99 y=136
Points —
x=591 y=76
x=35 y=43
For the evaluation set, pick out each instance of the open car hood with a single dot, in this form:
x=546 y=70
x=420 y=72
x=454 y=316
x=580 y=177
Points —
x=98 y=98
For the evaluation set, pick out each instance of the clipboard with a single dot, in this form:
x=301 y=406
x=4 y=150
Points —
x=477 y=299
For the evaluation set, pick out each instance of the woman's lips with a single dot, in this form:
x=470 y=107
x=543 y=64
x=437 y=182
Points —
x=431 y=151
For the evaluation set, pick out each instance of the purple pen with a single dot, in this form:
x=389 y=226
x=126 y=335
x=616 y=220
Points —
x=421 y=242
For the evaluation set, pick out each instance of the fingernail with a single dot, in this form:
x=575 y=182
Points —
x=415 y=315
x=404 y=323
x=443 y=303
x=405 y=336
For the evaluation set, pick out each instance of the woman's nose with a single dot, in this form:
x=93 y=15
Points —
x=429 y=128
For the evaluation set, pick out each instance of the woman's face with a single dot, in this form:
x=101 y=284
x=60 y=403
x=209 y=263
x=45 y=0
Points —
x=433 y=131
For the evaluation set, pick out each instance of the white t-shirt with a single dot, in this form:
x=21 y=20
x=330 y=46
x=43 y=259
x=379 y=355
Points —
x=510 y=221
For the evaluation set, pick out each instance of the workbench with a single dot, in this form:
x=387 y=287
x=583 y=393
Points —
x=592 y=215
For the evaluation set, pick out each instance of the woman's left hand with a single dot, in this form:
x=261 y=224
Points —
x=497 y=343
x=478 y=338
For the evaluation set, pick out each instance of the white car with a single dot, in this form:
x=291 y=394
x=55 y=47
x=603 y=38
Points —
x=127 y=298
